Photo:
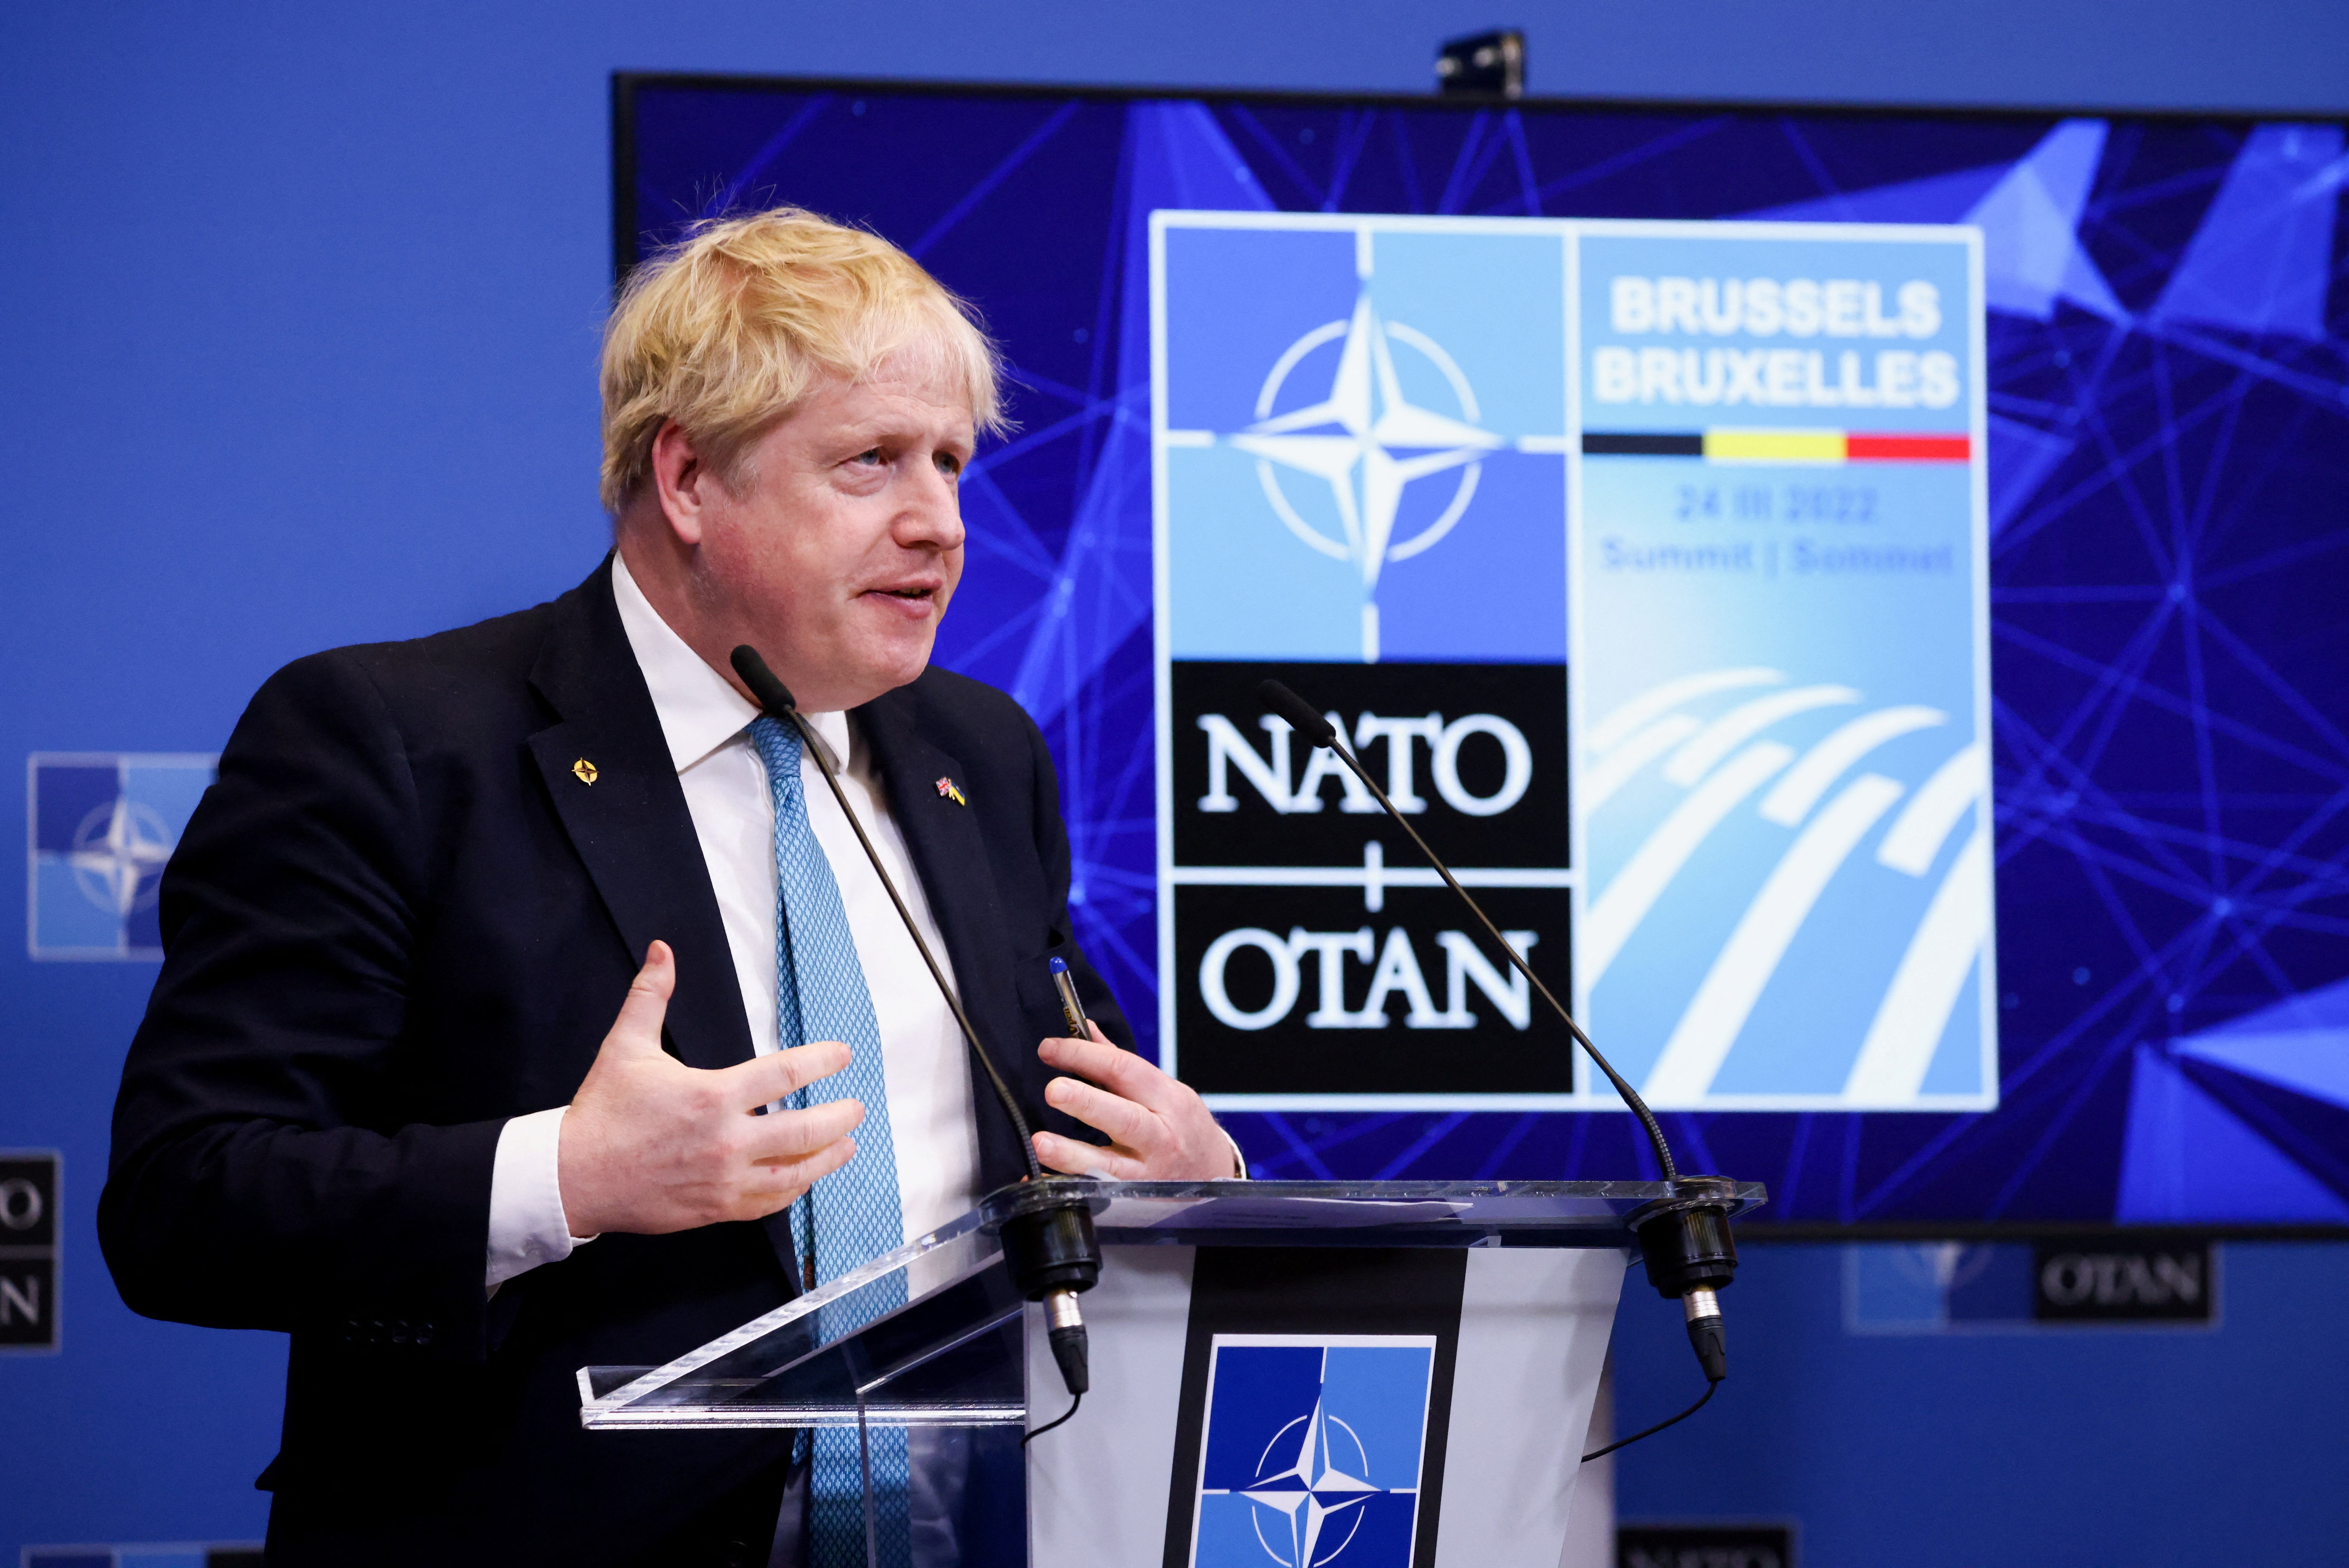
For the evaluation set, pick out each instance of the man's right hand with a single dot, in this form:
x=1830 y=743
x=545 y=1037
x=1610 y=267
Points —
x=650 y=1144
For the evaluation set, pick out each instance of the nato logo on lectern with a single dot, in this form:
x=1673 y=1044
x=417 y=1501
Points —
x=99 y=827
x=1362 y=492
x=1311 y=1451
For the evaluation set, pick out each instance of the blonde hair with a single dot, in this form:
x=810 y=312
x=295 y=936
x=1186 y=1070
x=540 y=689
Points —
x=728 y=329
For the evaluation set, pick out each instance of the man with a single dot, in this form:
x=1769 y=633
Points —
x=492 y=944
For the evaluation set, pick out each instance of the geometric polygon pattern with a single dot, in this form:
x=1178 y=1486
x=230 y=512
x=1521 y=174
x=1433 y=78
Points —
x=2247 y=1120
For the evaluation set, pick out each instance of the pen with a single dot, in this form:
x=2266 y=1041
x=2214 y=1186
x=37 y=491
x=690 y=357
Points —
x=1071 y=1009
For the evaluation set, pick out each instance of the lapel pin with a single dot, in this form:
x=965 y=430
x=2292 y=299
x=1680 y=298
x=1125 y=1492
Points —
x=583 y=771
x=948 y=791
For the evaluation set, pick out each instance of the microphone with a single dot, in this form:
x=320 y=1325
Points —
x=1685 y=1240
x=1050 y=1244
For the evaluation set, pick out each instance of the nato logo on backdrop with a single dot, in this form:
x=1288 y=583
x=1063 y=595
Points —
x=1311 y=1452
x=1363 y=421
x=1360 y=457
x=100 y=825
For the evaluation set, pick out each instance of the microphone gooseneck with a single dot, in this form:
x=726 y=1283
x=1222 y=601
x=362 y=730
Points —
x=1684 y=1238
x=1050 y=1249
x=1317 y=729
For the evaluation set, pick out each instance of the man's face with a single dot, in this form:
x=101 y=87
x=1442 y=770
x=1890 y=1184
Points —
x=838 y=556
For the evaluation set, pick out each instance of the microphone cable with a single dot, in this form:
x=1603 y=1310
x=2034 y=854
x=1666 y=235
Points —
x=1627 y=1442
x=1064 y=1419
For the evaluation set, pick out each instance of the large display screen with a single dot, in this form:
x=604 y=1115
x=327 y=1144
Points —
x=1853 y=593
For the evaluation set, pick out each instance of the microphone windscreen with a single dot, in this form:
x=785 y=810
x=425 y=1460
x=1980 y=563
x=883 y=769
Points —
x=772 y=694
x=1297 y=712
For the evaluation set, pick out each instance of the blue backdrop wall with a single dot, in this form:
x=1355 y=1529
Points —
x=308 y=297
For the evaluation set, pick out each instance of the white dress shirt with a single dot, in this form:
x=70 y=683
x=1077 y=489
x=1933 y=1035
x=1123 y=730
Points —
x=923 y=1058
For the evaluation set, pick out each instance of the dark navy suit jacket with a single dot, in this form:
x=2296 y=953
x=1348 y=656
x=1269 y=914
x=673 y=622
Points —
x=400 y=917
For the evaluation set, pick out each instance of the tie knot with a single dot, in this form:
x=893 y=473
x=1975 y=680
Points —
x=778 y=745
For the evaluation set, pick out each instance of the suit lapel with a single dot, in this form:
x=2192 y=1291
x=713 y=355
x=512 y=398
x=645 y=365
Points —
x=632 y=830
x=951 y=856
x=630 y=825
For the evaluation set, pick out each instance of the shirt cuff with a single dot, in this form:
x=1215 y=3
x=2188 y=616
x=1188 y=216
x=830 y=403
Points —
x=1239 y=1160
x=527 y=1226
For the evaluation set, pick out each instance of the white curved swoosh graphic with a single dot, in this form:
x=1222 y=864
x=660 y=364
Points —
x=1651 y=868
x=1910 y=1021
x=1741 y=723
x=1663 y=699
x=1791 y=798
x=1700 y=1043
x=1613 y=771
x=1915 y=839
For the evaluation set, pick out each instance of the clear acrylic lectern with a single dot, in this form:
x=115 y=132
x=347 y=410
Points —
x=1478 y=1310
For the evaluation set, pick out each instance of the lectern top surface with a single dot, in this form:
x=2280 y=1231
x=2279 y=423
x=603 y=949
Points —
x=1361 y=1213
x=945 y=1350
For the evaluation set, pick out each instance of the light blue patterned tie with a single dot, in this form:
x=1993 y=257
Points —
x=853 y=1215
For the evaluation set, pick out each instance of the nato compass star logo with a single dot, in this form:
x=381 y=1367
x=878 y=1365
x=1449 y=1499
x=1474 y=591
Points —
x=1311 y=1453
x=102 y=825
x=1363 y=431
x=117 y=855
x=1314 y=1505
x=1366 y=440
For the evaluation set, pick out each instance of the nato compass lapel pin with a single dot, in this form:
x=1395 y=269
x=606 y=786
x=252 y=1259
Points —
x=583 y=771
x=948 y=791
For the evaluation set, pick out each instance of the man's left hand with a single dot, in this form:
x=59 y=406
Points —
x=1159 y=1128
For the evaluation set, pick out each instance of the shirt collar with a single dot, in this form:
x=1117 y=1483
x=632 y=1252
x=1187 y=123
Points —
x=699 y=709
